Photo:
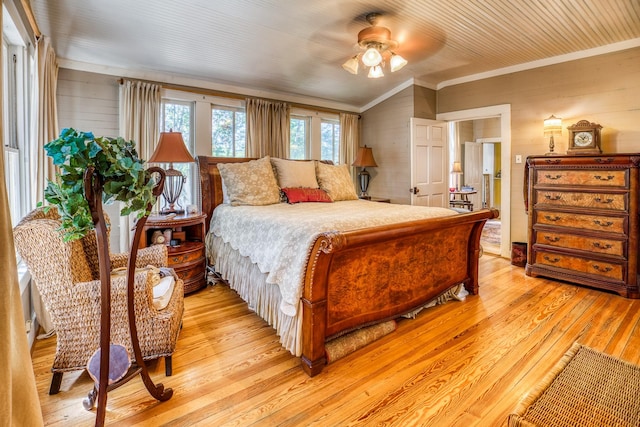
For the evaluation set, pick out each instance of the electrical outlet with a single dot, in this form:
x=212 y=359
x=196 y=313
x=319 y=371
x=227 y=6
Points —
x=27 y=325
x=518 y=158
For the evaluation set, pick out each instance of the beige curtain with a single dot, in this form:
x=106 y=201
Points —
x=140 y=109
x=349 y=139
x=19 y=403
x=47 y=119
x=267 y=128
x=47 y=130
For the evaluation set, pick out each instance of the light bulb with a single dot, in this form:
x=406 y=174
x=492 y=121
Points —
x=371 y=57
x=375 y=72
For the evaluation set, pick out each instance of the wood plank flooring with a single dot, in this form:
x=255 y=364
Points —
x=460 y=364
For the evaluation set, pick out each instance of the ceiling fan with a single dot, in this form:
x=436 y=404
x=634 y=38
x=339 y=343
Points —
x=377 y=46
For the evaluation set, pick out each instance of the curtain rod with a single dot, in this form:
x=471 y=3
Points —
x=213 y=92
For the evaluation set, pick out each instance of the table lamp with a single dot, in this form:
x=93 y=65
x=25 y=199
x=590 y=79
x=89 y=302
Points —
x=457 y=171
x=171 y=149
x=364 y=159
x=552 y=128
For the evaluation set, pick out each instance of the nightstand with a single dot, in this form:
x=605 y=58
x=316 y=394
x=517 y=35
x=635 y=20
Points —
x=188 y=258
x=378 y=199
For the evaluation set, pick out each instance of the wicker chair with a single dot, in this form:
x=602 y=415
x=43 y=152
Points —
x=67 y=276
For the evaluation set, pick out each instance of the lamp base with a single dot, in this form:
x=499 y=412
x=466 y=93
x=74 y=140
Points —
x=168 y=211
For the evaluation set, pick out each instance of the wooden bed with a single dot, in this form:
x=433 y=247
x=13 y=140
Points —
x=366 y=276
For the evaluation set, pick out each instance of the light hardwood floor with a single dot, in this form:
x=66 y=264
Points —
x=460 y=364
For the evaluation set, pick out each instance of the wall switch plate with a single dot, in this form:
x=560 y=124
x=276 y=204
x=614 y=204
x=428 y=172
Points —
x=518 y=158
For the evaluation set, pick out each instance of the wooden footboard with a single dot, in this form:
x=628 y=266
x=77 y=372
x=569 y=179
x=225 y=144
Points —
x=366 y=276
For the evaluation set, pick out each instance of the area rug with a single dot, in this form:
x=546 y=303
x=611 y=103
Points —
x=491 y=232
x=585 y=388
x=339 y=347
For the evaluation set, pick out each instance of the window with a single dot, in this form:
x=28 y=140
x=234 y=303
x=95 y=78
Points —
x=228 y=132
x=18 y=78
x=314 y=135
x=299 y=130
x=178 y=116
x=330 y=140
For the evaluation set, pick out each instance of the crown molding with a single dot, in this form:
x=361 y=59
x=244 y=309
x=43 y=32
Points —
x=601 y=50
x=171 y=79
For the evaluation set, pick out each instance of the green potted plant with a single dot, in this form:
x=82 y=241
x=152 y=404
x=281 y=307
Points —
x=123 y=174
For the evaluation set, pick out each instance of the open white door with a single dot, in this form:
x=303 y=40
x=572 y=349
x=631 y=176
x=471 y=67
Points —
x=429 y=163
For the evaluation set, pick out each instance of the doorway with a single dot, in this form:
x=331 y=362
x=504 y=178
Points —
x=500 y=115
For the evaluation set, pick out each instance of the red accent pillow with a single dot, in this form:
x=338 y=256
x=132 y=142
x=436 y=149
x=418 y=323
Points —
x=298 y=195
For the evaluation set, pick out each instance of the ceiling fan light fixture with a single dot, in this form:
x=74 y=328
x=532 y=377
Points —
x=375 y=72
x=371 y=57
x=351 y=65
x=396 y=62
x=378 y=46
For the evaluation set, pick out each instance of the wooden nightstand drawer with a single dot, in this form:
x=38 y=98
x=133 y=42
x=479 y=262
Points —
x=610 y=201
x=191 y=272
x=582 y=265
x=597 y=178
x=571 y=241
x=185 y=253
x=590 y=222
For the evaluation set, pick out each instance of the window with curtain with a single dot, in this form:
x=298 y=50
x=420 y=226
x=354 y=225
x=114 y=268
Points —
x=299 y=137
x=228 y=131
x=178 y=117
x=18 y=80
x=330 y=140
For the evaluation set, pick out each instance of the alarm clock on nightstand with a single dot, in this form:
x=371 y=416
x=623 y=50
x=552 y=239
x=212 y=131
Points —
x=584 y=138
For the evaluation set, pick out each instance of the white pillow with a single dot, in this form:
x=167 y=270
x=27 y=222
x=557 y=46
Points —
x=295 y=173
x=336 y=181
x=250 y=183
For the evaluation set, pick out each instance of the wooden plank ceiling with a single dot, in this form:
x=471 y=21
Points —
x=296 y=48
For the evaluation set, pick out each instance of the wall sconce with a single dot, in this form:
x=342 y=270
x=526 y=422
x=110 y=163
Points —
x=171 y=149
x=457 y=171
x=364 y=159
x=552 y=128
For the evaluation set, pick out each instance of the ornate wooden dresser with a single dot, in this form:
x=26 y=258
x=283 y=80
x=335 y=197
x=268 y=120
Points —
x=583 y=220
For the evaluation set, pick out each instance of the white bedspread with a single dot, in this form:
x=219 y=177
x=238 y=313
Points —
x=278 y=238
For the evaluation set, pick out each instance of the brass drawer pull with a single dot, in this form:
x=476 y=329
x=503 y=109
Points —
x=609 y=160
x=602 y=246
x=606 y=178
x=601 y=269
x=553 y=177
x=549 y=218
x=603 y=224
x=178 y=259
x=605 y=201
x=552 y=239
x=550 y=197
x=554 y=260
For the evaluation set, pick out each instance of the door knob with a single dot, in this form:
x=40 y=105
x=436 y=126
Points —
x=414 y=190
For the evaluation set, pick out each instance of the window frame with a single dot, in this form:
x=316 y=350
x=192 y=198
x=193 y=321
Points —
x=235 y=110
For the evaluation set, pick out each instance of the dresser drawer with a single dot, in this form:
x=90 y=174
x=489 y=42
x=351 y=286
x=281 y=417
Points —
x=589 y=222
x=582 y=265
x=191 y=272
x=590 y=244
x=616 y=202
x=599 y=178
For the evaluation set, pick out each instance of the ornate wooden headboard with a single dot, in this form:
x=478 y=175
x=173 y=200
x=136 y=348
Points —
x=211 y=183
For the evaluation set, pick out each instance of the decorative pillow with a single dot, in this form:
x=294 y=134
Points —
x=250 y=183
x=298 y=195
x=295 y=173
x=336 y=181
